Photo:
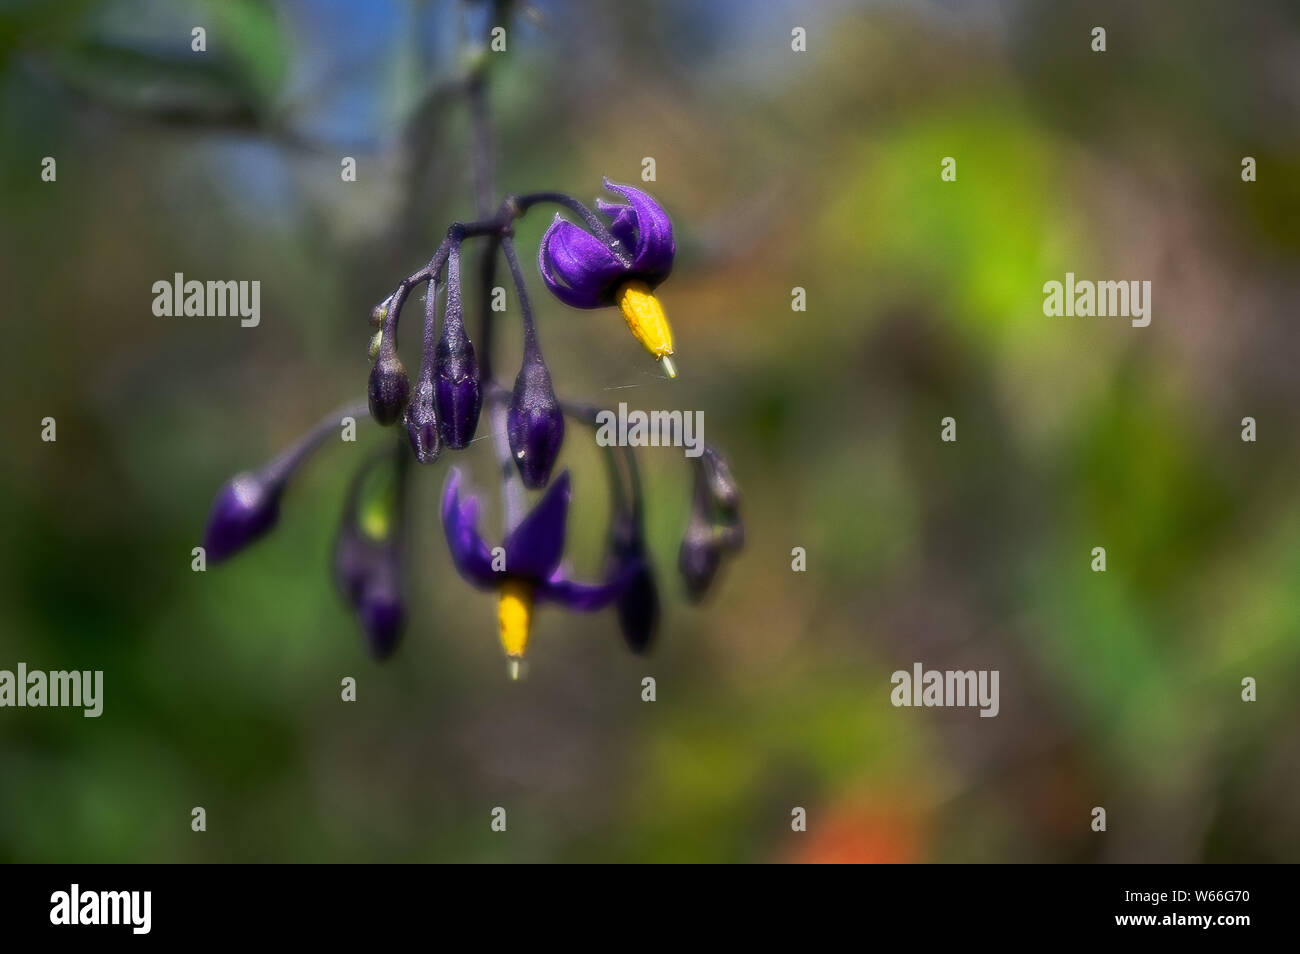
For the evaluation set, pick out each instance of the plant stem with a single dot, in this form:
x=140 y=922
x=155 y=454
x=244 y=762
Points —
x=291 y=459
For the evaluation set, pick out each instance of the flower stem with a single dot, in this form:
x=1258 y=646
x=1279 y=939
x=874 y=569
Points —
x=525 y=307
x=291 y=459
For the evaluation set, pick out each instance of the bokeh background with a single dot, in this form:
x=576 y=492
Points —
x=816 y=169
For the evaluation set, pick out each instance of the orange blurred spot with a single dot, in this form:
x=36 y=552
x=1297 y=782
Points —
x=859 y=834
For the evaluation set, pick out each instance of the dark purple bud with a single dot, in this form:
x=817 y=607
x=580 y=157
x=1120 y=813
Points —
x=714 y=527
x=457 y=391
x=389 y=387
x=638 y=606
x=368 y=554
x=245 y=509
x=698 y=558
x=638 y=611
x=354 y=560
x=382 y=611
x=722 y=485
x=534 y=423
x=368 y=577
x=422 y=424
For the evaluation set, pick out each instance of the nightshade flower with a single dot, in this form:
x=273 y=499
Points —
x=585 y=271
x=616 y=256
x=531 y=555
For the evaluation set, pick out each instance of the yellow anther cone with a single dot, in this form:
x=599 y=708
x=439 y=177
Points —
x=646 y=320
x=514 y=611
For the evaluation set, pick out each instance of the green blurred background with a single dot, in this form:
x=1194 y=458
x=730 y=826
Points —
x=780 y=169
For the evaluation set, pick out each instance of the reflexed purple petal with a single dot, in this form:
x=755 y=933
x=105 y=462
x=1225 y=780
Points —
x=655 y=248
x=533 y=549
x=576 y=266
x=623 y=225
x=460 y=523
x=586 y=597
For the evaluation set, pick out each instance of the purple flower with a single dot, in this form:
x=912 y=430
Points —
x=244 y=510
x=584 y=272
x=527 y=568
x=620 y=268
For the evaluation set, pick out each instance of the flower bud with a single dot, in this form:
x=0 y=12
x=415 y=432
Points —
x=389 y=387
x=367 y=575
x=715 y=526
x=456 y=369
x=422 y=424
x=534 y=423
x=698 y=558
x=457 y=392
x=367 y=558
x=353 y=559
x=722 y=485
x=244 y=510
x=382 y=611
x=638 y=607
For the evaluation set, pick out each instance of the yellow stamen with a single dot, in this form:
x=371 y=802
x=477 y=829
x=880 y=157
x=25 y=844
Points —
x=514 y=611
x=647 y=322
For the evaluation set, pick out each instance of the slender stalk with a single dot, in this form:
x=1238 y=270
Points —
x=587 y=414
x=292 y=458
x=430 y=328
x=481 y=143
x=512 y=490
x=525 y=306
x=524 y=202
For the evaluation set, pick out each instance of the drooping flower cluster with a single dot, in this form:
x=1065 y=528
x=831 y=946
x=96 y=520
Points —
x=615 y=257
